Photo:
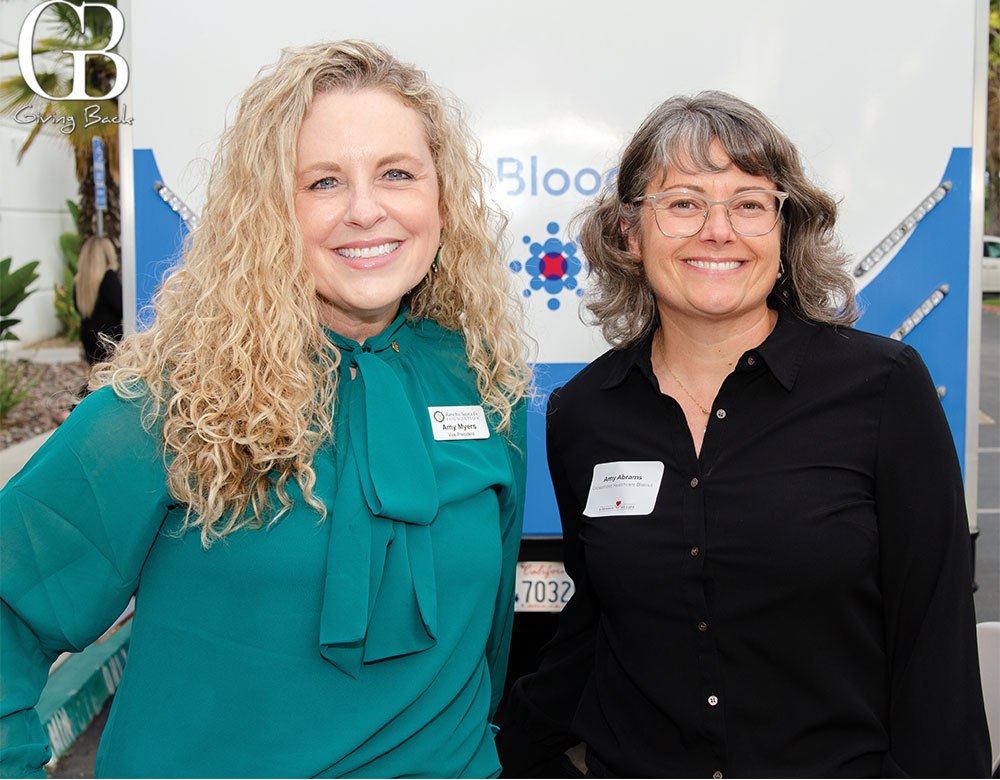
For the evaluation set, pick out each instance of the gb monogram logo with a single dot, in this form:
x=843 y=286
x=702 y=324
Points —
x=26 y=38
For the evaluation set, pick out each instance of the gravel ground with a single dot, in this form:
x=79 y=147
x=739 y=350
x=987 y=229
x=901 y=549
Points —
x=54 y=390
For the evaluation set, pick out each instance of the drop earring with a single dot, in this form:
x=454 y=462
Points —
x=435 y=264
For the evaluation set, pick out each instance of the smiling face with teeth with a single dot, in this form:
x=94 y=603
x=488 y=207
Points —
x=716 y=274
x=367 y=205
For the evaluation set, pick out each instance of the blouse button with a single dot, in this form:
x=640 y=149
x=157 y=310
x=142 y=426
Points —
x=713 y=700
x=718 y=775
x=750 y=361
x=694 y=482
x=721 y=414
x=703 y=626
x=695 y=552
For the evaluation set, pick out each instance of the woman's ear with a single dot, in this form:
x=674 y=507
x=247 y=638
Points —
x=631 y=242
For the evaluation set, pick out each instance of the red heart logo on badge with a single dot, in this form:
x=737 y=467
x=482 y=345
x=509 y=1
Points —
x=618 y=503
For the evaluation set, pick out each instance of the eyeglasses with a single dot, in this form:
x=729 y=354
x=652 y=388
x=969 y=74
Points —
x=683 y=214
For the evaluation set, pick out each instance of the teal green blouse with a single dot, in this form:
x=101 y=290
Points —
x=371 y=644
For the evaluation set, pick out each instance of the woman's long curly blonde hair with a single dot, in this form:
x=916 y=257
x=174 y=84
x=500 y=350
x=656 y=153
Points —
x=236 y=365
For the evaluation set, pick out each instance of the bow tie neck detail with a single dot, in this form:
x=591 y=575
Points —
x=380 y=597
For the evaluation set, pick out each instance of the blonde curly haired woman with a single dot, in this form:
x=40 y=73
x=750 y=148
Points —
x=309 y=470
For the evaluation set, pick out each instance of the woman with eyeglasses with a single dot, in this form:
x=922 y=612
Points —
x=762 y=508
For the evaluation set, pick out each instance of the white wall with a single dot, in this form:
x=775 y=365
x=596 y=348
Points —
x=32 y=196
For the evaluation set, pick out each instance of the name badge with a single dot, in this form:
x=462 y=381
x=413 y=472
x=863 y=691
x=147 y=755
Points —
x=452 y=423
x=625 y=487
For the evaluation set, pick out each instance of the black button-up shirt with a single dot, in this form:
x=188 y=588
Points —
x=798 y=601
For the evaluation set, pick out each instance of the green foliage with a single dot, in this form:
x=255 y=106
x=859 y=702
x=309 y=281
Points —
x=74 y=211
x=13 y=290
x=15 y=385
x=992 y=221
x=66 y=311
x=70 y=244
x=994 y=50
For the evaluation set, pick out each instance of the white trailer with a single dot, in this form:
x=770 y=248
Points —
x=885 y=100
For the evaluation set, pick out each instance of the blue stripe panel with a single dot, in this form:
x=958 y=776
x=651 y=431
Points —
x=936 y=253
x=159 y=234
x=541 y=516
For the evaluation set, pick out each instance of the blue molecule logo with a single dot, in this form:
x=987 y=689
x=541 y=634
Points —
x=553 y=266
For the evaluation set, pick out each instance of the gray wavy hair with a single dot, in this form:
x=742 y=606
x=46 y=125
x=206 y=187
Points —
x=677 y=134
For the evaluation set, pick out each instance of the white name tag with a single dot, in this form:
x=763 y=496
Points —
x=625 y=487
x=450 y=423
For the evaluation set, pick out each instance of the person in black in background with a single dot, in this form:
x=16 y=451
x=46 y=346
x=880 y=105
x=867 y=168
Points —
x=98 y=298
x=762 y=508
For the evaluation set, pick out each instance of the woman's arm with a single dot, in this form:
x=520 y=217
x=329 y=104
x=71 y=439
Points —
x=541 y=705
x=511 y=521
x=936 y=719
x=76 y=523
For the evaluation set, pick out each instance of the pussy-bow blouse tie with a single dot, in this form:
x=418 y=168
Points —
x=380 y=597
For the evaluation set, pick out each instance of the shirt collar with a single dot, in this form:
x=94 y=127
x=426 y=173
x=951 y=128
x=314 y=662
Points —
x=783 y=351
x=386 y=344
x=634 y=358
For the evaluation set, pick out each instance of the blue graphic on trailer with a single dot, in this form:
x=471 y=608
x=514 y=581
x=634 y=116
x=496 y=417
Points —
x=159 y=234
x=933 y=259
x=541 y=515
x=553 y=266
x=925 y=288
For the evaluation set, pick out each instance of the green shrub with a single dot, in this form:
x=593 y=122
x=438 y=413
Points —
x=15 y=385
x=66 y=311
x=13 y=290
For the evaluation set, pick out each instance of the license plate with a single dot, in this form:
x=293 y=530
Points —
x=542 y=586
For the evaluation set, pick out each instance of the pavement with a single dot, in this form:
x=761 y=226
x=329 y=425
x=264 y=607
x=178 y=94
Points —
x=43 y=354
x=14 y=457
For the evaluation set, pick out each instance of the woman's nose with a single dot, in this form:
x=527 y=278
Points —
x=718 y=226
x=364 y=207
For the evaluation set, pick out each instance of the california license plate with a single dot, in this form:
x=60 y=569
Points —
x=542 y=586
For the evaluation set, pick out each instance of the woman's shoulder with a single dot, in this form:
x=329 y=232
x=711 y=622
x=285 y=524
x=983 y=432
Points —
x=603 y=373
x=857 y=344
x=436 y=338
x=122 y=413
x=105 y=434
x=851 y=355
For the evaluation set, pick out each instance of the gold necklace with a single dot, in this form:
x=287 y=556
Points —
x=704 y=411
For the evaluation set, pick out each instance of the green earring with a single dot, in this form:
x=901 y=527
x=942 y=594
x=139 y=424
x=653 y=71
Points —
x=435 y=265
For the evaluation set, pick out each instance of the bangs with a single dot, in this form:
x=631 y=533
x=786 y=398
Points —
x=687 y=146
